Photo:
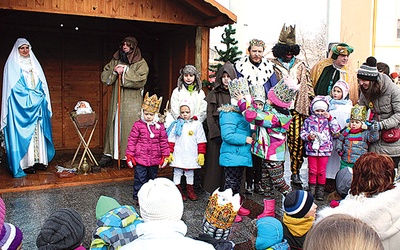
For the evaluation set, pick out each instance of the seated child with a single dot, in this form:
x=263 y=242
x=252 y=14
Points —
x=270 y=234
x=298 y=218
x=116 y=224
x=63 y=229
x=343 y=183
x=355 y=138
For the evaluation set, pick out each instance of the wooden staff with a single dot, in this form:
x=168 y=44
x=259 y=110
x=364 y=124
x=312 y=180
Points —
x=119 y=121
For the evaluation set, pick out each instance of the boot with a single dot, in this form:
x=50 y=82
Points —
x=296 y=179
x=184 y=198
x=319 y=192
x=249 y=187
x=243 y=211
x=311 y=188
x=238 y=218
x=259 y=189
x=269 y=209
x=191 y=194
x=105 y=161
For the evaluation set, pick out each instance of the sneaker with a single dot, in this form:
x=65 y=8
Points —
x=238 y=219
x=105 y=161
x=243 y=211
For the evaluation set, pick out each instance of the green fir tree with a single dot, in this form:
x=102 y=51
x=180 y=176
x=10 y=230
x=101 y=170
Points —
x=231 y=54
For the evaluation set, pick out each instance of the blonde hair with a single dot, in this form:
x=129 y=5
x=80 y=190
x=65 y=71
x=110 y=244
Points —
x=341 y=231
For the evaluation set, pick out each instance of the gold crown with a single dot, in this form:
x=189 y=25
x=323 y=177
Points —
x=151 y=104
x=257 y=42
x=288 y=35
x=358 y=113
x=238 y=86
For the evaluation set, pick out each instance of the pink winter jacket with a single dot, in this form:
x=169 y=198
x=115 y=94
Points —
x=147 y=151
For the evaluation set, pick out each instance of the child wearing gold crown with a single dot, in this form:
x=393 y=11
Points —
x=272 y=123
x=354 y=140
x=147 y=148
x=187 y=141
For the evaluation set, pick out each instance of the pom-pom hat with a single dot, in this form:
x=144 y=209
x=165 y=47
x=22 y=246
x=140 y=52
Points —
x=64 y=229
x=298 y=203
x=368 y=70
x=160 y=200
x=10 y=235
x=283 y=93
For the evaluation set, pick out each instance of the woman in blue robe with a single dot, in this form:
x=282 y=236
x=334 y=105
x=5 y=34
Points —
x=26 y=112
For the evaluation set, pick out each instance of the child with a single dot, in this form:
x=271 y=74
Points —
x=63 y=229
x=270 y=234
x=339 y=108
x=343 y=181
x=272 y=123
x=189 y=88
x=298 y=218
x=235 y=152
x=148 y=147
x=318 y=131
x=219 y=95
x=187 y=142
x=355 y=138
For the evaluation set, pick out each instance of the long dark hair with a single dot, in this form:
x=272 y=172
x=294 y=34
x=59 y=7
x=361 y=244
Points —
x=373 y=92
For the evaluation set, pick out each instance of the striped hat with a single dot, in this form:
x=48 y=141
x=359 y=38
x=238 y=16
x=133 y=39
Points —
x=10 y=237
x=368 y=70
x=298 y=203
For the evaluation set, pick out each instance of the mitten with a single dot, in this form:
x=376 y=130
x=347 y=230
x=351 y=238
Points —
x=170 y=158
x=130 y=160
x=200 y=159
x=377 y=126
x=164 y=161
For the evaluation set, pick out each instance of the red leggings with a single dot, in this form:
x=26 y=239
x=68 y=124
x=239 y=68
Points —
x=317 y=169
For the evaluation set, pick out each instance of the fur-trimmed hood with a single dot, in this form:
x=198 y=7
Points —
x=229 y=108
x=381 y=212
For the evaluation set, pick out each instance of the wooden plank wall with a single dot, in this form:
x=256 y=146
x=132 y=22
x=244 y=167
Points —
x=141 y=10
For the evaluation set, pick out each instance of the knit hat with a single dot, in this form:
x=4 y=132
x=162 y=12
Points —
x=319 y=102
x=160 y=200
x=10 y=237
x=344 y=86
x=368 y=70
x=283 y=93
x=269 y=232
x=64 y=229
x=298 y=203
x=104 y=205
x=343 y=181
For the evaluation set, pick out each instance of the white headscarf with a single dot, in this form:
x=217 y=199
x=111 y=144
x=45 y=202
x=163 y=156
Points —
x=12 y=74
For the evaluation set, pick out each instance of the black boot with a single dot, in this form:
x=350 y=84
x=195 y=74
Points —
x=311 y=188
x=105 y=161
x=296 y=179
x=319 y=192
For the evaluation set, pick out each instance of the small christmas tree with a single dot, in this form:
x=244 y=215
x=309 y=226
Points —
x=231 y=53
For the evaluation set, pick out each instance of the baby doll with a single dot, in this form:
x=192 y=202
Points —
x=83 y=107
x=355 y=138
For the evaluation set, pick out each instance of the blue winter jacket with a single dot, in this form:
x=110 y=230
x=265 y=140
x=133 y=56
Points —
x=234 y=151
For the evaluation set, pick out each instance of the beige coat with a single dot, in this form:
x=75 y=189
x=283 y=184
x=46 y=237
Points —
x=132 y=82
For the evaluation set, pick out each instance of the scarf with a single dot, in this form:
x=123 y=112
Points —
x=178 y=124
x=298 y=226
x=353 y=134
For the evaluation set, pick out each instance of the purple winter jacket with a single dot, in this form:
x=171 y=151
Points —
x=147 y=151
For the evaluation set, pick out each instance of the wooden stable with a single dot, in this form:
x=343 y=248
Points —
x=74 y=39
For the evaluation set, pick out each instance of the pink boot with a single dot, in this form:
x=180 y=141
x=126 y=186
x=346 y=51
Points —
x=269 y=209
x=238 y=219
x=243 y=211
